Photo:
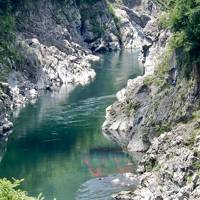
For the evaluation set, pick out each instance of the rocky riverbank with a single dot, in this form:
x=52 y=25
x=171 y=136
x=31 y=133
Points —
x=128 y=119
x=153 y=115
x=47 y=69
x=162 y=119
x=170 y=168
x=158 y=114
x=57 y=40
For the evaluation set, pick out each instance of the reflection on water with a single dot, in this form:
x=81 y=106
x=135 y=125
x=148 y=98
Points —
x=57 y=143
x=3 y=147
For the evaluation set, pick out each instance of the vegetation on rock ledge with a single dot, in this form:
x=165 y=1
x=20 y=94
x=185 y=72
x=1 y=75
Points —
x=182 y=17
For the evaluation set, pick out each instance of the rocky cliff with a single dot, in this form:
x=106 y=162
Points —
x=158 y=114
x=146 y=102
x=170 y=168
x=56 y=40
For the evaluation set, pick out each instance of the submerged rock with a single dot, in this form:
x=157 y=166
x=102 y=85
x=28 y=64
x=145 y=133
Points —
x=103 y=187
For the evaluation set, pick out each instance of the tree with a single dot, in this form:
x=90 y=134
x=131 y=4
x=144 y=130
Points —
x=182 y=17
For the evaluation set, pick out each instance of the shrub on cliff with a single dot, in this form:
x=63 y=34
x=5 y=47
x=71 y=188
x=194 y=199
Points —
x=183 y=19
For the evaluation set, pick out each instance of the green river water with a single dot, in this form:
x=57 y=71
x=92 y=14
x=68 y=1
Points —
x=57 y=144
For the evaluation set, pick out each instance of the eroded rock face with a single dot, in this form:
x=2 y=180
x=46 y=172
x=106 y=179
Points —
x=146 y=109
x=133 y=20
x=170 y=168
x=132 y=119
x=141 y=108
x=143 y=111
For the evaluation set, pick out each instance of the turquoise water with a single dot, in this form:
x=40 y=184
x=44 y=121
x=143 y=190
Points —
x=57 y=144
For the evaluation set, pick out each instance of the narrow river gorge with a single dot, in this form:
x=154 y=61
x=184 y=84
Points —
x=57 y=144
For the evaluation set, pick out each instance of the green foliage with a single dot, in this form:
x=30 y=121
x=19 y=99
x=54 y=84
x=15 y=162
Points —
x=9 y=191
x=191 y=140
x=163 y=21
x=131 y=107
x=195 y=132
x=196 y=114
x=162 y=128
x=162 y=68
x=196 y=165
x=165 y=4
x=157 y=168
x=183 y=19
x=153 y=165
x=112 y=12
x=97 y=27
x=116 y=19
x=5 y=7
x=7 y=33
x=7 y=37
x=189 y=179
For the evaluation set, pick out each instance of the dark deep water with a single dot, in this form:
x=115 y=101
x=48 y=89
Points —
x=57 y=145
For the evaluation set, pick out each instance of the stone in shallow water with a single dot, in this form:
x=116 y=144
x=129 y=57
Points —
x=103 y=188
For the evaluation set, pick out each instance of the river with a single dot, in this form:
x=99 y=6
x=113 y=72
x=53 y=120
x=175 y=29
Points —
x=57 y=144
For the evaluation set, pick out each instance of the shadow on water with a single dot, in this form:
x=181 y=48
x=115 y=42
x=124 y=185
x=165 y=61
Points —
x=57 y=145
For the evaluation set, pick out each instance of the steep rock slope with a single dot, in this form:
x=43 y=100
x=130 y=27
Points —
x=159 y=114
x=143 y=111
x=140 y=107
x=170 y=168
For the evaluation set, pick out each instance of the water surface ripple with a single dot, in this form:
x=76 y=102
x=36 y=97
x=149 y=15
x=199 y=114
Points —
x=57 y=145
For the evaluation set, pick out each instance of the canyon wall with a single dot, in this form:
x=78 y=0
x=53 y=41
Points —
x=56 y=42
x=158 y=114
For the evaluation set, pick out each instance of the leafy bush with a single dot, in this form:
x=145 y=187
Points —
x=9 y=191
x=183 y=19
